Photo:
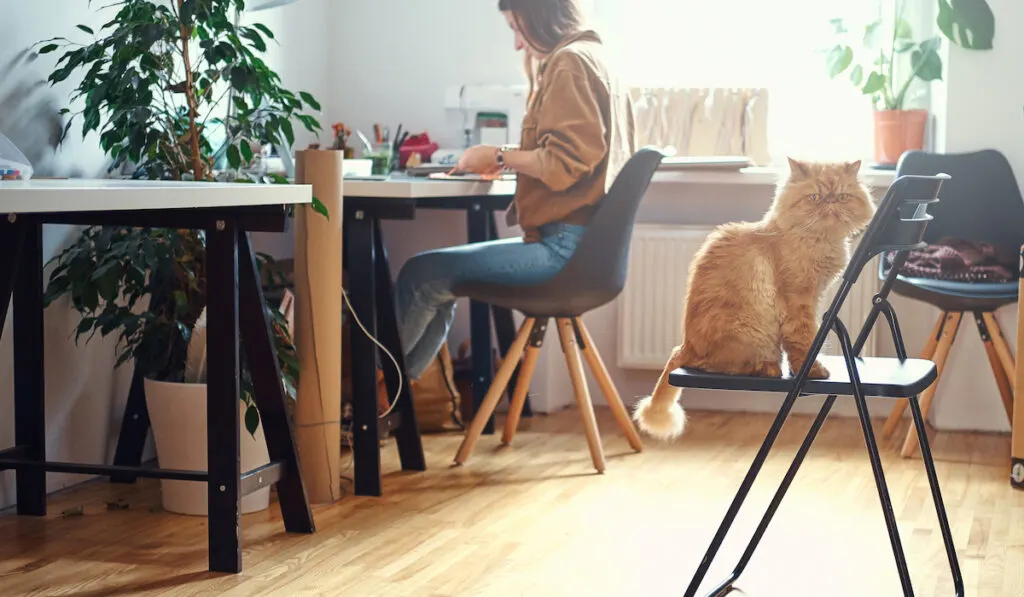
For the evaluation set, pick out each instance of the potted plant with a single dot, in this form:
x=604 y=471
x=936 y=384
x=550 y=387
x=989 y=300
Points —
x=892 y=59
x=176 y=90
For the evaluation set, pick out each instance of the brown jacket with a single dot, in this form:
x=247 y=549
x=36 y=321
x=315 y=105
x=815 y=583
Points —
x=581 y=123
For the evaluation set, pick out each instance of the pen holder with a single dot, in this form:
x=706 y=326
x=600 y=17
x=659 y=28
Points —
x=381 y=155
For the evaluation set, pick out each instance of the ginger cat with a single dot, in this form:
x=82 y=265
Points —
x=754 y=287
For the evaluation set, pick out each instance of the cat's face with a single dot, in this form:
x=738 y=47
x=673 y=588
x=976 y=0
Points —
x=825 y=194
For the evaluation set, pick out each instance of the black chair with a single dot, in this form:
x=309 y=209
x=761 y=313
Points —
x=593 y=276
x=899 y=225
x=982 y=202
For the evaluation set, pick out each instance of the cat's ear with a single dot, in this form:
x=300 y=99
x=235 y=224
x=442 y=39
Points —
x=798 y=169
x=852 y=167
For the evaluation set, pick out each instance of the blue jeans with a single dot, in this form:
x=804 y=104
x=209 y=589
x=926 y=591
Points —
x=425 y=302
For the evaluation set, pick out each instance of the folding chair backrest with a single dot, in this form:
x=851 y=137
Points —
x=900 y=221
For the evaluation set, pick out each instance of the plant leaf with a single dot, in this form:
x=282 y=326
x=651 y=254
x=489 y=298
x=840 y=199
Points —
x=320 y=208
x=927 y=64
x=252 y=419
x=874 y=84
x=857 y=75
x=838 y=59
x=968 y=23
x=309 y=99
x=234 y=157
x=86 y=29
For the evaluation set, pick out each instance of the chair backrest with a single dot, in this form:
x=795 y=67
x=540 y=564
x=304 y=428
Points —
x=901 y=222
x=981 y=202
x=596 y=273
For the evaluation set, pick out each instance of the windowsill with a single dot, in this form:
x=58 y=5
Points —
x=757 y=175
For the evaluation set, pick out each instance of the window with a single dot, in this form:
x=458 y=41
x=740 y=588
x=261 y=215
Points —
x=749 y=43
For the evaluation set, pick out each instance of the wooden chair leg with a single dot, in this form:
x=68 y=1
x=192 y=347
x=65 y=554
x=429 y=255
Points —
x=949 y=330
x=1003 y=364
x=901 y=405
x=515 y=411
x=611 y=395
x=567 y=335
x=494 y=393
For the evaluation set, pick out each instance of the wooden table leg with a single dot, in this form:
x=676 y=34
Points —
x=1017 y=443
x=223 y=391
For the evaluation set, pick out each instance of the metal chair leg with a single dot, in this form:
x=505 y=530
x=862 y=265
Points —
x=940 y=508
x=741 y=495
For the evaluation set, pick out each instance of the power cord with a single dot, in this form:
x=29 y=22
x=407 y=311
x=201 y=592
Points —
x=398 y=370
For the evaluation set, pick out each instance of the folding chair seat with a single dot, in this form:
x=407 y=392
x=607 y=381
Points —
x=899 y=226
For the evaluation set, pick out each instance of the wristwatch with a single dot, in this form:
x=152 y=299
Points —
x=500 y=156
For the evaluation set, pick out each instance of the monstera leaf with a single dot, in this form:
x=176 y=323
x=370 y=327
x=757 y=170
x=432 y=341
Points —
x=968 y=23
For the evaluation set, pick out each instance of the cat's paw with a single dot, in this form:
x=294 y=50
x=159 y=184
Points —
x=768 y=369
x=818 y=371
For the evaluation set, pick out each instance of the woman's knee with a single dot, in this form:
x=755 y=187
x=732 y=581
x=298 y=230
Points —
x=425 y=275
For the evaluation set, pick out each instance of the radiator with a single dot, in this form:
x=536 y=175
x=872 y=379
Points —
x=650 y=308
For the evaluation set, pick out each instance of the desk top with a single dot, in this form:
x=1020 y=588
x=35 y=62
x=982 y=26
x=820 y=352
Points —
x=80 y=195
x=399 y=186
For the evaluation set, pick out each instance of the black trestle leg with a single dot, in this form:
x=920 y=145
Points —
x=940 y=508
x=222 y=400
x=359 y=244
x=407 y=436
x=29 y=389
x=876 y=461
x=268 y=392
x=798 y=460
x=131 y=440
x=12 y=235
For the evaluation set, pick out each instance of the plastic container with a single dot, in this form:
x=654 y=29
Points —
x=13 y=164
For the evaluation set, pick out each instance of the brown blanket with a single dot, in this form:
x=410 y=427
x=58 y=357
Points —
x=961 y=260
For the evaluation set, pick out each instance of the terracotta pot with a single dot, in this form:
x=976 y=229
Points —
x=898 y=131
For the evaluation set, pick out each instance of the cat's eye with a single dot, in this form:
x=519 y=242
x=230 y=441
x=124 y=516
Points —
x=814 y=197
x=844 y=197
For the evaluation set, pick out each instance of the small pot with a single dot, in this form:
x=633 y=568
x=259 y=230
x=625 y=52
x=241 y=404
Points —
x=896 y=132
x=177 y=413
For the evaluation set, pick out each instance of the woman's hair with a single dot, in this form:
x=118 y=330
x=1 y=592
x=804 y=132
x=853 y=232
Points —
x=543 y=25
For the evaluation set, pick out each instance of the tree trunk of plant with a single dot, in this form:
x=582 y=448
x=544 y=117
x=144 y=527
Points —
x=198 y=168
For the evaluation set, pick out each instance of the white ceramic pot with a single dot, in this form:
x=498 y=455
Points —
x=177 y=414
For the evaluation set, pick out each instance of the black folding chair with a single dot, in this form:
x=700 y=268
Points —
x=899 y=225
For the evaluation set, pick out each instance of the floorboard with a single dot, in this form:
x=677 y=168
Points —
x=533 y=519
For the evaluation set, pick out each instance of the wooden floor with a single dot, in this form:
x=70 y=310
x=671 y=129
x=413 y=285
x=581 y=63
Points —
x=534 y=520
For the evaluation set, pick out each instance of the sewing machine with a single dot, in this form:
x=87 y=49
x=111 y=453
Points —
x=487 y=114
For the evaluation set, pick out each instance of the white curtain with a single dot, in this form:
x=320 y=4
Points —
x=777 y=46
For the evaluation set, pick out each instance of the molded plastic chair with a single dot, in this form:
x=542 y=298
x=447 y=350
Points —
x=899 y=225
x=981 y=202
x=593 y=276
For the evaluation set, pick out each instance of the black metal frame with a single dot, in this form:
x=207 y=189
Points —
x=371 y=295
x=851 y=351
x=236 y=308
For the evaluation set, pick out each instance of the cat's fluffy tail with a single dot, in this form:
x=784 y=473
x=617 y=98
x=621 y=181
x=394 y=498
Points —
x=660 y=415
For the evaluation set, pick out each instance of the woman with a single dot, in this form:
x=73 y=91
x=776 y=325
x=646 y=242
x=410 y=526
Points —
x=576 y=135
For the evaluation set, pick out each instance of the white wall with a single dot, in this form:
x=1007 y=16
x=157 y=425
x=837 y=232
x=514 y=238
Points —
x=84 y=395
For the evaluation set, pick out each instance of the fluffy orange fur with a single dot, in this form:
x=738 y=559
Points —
x=755 y=287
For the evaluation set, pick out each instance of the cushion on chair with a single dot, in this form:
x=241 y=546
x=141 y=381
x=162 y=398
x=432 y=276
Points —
x=879 y=376
x=957 y=296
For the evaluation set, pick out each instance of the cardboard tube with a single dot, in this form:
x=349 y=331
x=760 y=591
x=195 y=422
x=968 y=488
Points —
x=318 y=309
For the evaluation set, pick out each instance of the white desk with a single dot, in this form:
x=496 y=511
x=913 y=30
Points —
x=80 y=195
x=235 y=306
x=398 y=186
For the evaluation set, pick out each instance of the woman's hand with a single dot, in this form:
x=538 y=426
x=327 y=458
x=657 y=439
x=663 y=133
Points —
x=480 y=159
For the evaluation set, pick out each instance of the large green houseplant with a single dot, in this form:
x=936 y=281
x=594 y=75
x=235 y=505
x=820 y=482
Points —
x=176 y=90
x=892 y=58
